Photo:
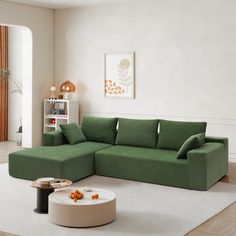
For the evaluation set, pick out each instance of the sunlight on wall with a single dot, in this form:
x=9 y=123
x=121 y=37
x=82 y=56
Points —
x=27 y=88
x=22 y=67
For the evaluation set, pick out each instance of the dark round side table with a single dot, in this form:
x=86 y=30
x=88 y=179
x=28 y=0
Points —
x=43 y=192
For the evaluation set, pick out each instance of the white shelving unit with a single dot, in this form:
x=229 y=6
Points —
x=58 y=112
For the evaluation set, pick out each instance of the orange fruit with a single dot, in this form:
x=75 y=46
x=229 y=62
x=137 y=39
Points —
x=95 y=196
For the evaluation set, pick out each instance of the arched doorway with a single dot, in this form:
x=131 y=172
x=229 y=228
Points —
x=20 y=66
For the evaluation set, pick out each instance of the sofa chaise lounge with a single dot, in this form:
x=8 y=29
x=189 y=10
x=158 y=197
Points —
x=163 y=152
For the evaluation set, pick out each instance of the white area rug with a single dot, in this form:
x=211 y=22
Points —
x=142 y=209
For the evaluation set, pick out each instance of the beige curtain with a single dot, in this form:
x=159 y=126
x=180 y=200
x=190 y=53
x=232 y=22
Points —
x=3 y=84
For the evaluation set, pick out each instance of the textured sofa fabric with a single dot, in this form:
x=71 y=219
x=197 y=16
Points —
x=193 y=142
x=202 y=167
x=174 y=133
x=99 y=129
x=142 y=164
x=140 y=133
x=207 y=165
x=73 y=133
x=54 y=138
x=64 y=161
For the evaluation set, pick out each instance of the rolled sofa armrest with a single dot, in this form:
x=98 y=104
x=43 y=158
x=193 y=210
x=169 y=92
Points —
x=54 y=138
x=207 y=164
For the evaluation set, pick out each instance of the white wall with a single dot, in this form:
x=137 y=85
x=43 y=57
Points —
x=15 y=65
x=185 y=59
x=39 y=76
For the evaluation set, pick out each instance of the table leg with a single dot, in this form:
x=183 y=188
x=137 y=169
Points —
x=42 y=200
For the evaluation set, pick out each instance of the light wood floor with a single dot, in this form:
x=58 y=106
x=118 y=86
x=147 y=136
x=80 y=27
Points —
x=223 y=224
x=6 y=234
x=6 y=148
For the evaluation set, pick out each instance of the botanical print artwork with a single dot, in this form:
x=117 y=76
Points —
x=119 y=75
x=112 y=88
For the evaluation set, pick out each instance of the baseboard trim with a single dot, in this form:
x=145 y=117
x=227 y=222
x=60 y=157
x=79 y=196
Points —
x=232 y=160
x=232 y=157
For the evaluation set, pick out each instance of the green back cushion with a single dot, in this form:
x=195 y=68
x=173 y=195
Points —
x=173 y=134
x=73 y=133
x=99 y=129
x=134 y=132
x=194 y=141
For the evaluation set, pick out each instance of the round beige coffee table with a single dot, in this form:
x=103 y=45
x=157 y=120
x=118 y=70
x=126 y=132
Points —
x=85 y=212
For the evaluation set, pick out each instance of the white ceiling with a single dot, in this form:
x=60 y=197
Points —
x=58 y=4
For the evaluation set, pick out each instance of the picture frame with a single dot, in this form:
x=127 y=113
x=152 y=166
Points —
x=119 y=75
x=59 y=105
x=59 y=108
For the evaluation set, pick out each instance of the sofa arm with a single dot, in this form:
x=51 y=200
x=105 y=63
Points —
x=54 y=138
x=207 y=164
x=211 y=139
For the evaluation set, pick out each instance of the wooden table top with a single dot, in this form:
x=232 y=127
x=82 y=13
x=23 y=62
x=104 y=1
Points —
x=62 y=183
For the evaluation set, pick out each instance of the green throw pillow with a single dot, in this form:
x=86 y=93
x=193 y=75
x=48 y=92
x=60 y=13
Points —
x=99 y=129
x=194 y=141
x=173 y=134
x=73 y=133
x=133 y=132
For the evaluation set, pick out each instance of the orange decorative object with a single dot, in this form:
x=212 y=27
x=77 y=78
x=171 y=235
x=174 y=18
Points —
x=95 y=196
x=76 y=195
x=53 y=121
x=67 y=87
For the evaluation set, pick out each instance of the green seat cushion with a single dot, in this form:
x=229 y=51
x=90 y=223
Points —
x=193 y=142
x=99 y=129
x=65 y=161
x=133 y=132
x=143 y=164
x=73 y=133
x=173 y=134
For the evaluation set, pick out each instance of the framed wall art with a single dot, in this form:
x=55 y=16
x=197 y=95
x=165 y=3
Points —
x=119 y=75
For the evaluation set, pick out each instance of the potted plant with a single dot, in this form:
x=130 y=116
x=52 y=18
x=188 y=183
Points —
x=5 y=74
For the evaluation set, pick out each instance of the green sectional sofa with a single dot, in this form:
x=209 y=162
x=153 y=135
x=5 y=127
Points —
x=163 y=152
